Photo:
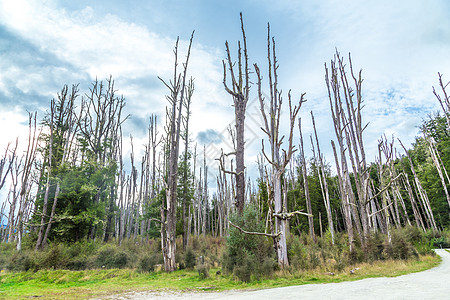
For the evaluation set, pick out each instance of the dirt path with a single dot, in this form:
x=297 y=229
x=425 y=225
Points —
x=430 y=284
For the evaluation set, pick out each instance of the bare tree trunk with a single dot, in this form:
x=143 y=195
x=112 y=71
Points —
x=47 y=184
x=176 y=100
x=421 y=193
x=186 y=174
x=434 y=156
x=305 y=184
x=344 y=200
x=349 y=128
x=205 y=192
x=277 y=160
x=443 y=101
x=240 y=92
x=26 y=180
x=323 y=182
x=384 y=195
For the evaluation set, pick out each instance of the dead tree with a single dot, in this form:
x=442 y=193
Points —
x=13 y=198
x=305 y=184
x=205 y=204
x=323 y=181
x=444 y=100
x=415 y=207
x=186 y=157
x=120 y=182
x=239 y=90
x=421 y=193
x=26 y=180
x=346 y=106
x=278 y=158
x=437 y=162
x=385 y=206
x=176 y=99
x=7 y=162
x=49 y=174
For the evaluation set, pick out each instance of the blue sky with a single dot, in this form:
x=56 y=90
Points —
x=400 y=45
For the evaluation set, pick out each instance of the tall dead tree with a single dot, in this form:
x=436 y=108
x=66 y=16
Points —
x=305 y=183
x=278 y=158
x=399 y=206
x=323 y=181
x=443 y=99
x=239 y=90
x=186 y=176
x=345 y=96
x=47 y=184
x=437 y=162
x=26 y=180
x=205 y=204
x=176 y=99
x=7 y=162
x=421 y=194
x=13 y=198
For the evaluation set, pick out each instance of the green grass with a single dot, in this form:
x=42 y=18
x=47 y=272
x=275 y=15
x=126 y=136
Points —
x=57 y=284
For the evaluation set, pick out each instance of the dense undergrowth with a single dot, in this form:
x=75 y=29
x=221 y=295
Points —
x=244 y=257
x=250 y=257
x=141 y=254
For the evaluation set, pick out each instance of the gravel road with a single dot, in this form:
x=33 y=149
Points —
x=430 y=284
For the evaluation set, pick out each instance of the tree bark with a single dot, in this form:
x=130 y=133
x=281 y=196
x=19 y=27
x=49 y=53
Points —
x=240 y=92
x=176 y=100
x=305 y=184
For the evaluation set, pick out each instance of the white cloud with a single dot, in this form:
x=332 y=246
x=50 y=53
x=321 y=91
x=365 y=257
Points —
x=110 y=45
x=401 y=45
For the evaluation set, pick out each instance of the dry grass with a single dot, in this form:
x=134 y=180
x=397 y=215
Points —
x=60 y=284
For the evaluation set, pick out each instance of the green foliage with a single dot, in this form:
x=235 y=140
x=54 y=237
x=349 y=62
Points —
x=203 y=270
x=7 y=250
x=152 y=211
x=185 y=188
x=189 y=259
x=400 y=247
x=83 y=255
x=110 y=256
x=148 y=262
x=297 y=199
x=435 y=127
x=245 y=254
x=438 y=239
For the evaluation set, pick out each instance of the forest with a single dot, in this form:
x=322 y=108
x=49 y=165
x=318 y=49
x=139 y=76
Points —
x=76 y=200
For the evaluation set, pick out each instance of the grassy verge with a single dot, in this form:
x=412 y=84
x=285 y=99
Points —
x=57 y=284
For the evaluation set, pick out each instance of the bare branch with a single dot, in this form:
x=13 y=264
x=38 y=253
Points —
x=255 y=233
x=289 y=215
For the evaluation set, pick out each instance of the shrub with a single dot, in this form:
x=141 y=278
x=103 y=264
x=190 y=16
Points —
x=109 y=256
x=203 y=271
x=7 y=250
x=374 y=247
x=247 y=266
x=399 y=247
x=148 y=262
x=189 y=259
x=297 y=253
x=53 y=257
x=268 y=266
x=245 y=254
x=22 y=262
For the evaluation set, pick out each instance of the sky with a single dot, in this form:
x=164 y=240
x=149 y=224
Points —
x=399 y=45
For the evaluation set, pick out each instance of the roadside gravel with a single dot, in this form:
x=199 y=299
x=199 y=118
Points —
x=430 y=284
